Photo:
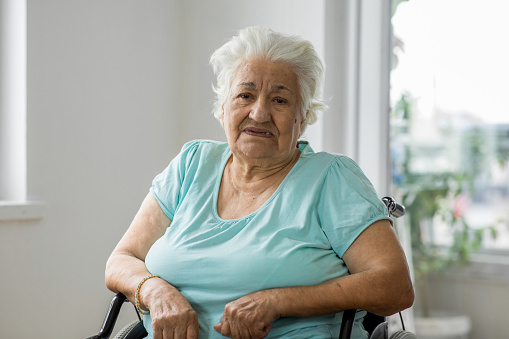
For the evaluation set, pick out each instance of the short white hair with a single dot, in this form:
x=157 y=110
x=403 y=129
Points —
x=259 y=42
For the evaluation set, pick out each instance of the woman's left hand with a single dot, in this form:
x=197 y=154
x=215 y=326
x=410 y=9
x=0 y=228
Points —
x=249 y=317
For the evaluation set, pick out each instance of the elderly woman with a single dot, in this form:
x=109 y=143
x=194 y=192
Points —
x=260 y=236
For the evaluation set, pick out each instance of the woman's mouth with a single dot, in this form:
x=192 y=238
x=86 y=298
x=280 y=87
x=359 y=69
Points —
x=258 y=132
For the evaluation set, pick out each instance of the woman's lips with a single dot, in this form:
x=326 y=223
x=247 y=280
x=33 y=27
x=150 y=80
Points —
x=257 y=132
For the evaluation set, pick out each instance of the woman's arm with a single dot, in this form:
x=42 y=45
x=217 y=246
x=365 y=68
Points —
x=380 y=279
x=170 y=312
x=379 y=283
x=126 y=265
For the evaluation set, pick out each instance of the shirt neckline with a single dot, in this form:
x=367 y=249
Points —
x=303 y=147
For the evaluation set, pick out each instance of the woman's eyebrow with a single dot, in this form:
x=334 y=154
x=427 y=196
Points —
x=274 y=88
x=247 y=84
x=279 y=88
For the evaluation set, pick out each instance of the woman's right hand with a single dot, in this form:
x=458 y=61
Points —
x=172 y=315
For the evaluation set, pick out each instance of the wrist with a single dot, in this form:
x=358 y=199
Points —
x=277 y=301
x=140 y=302
x=293 y=302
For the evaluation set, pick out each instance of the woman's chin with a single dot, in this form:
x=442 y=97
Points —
x=257 y=153
x=257 y=148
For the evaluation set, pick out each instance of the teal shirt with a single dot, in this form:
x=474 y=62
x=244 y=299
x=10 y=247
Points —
x=297 y=237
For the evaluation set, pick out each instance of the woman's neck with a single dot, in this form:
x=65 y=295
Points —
x=252 y=173
x=244 y=189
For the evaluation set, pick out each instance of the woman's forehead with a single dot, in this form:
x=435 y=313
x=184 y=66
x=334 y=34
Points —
x=254 y=74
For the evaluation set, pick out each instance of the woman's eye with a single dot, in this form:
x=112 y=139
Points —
x=280 y=101
x=245 y=96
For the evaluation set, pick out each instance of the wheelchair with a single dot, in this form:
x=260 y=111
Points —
x=376 y=326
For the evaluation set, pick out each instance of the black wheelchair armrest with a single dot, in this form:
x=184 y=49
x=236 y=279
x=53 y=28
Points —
x=347 y=324
x=111 y=317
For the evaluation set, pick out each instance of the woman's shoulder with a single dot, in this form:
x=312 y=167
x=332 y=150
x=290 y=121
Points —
x=334 y=168
x=203 y=155
x=322 y=159
x=205 y=144
x=203 y=148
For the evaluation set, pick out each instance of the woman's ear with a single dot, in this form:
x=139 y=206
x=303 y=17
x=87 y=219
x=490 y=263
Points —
x=221 y=117
x=303 y=120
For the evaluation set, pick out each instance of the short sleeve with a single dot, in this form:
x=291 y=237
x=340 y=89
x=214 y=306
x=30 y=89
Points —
x=348 y=204
x=167 y=186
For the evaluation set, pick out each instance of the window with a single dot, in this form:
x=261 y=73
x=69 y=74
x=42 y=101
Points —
x=450 y=119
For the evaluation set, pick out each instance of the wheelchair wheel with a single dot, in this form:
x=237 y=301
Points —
x=403 y=335
x=133 y=330
x=380 y=332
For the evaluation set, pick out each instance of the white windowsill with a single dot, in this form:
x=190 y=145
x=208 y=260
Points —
x=21 y=210
x=482 y=267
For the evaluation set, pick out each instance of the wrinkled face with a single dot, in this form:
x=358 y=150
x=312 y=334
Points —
x=261 y=115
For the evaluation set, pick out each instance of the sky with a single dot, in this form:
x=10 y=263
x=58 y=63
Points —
x=456 y=56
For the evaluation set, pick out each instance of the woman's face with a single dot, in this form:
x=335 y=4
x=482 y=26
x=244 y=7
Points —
x=261 y=115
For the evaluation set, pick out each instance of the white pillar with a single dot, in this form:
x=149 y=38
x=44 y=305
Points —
x=13 y=85
x=340 y=123
x=374 y=103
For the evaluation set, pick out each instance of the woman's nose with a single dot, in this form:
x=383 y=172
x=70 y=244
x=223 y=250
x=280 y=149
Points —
x=260 y=111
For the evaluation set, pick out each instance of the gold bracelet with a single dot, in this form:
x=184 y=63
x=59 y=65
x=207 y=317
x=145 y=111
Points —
x=137 y=294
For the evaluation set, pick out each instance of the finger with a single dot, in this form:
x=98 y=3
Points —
x=246 y=332
x=239 y=330
x=236 y=334
x=225 y=328
x=266 y=330
x=254 y=331
x=162 y=334
x=259 y=332
x=157 y=332
x=263 y=333
x=162 y=330
x=193 y=331
x=218 y=327
x=189 y=331
x=179 y=332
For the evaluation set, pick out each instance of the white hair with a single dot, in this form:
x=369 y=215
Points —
x=258 y=42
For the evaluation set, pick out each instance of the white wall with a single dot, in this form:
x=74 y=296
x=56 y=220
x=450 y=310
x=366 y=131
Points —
x=101 y=87
x=114 y=89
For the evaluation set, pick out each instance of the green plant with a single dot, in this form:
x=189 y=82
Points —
x=436 y=195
